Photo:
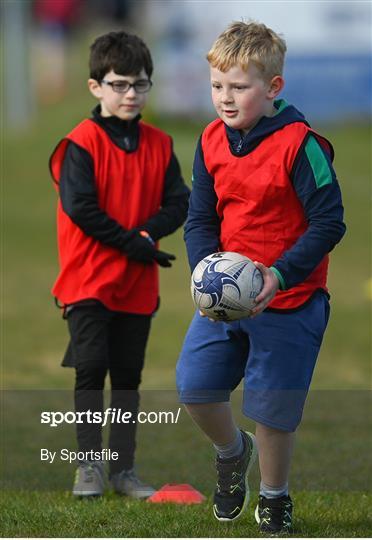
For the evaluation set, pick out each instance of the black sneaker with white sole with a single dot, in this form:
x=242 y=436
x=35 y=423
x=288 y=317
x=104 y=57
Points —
x=274 y=516
x=232 y=491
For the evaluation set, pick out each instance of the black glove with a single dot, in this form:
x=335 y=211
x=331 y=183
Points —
x=139 y=248
x=163 y=259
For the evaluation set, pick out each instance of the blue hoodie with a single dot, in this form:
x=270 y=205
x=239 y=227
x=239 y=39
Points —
x=321 y=201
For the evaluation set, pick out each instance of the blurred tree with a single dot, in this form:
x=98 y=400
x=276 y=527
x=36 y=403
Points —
x=18 y=98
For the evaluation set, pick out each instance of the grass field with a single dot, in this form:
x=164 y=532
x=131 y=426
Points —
x=332 y=490
x=54 y=514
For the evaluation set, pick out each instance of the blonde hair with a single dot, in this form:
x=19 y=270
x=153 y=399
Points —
x=245 y=42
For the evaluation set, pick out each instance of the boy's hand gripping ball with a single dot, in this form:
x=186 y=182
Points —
x=224 y=286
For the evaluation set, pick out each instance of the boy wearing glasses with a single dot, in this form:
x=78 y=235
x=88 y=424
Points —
x=120 y=191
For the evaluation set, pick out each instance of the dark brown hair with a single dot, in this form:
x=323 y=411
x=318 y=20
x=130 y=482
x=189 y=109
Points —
x=126 y=54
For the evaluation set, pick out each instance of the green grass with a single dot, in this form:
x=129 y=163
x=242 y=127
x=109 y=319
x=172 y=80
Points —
x=57 y=514
x=332 y=456
x=30 y=267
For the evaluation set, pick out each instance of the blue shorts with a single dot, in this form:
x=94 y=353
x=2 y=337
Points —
x=274 y=352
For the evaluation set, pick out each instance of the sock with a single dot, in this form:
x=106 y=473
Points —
x=270 y=492
x=233 y=449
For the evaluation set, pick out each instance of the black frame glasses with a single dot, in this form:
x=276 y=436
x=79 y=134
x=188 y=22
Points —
x=122 y=87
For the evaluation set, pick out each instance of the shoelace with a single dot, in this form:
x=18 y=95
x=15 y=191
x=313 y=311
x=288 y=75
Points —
x=229 y=487
x=282 y=514
x=265 y=518
x=89 y=471
x=229 y=481
x=287 y=516
x=226 y=478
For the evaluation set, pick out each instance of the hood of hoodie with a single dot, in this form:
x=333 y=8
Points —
x=241 y=145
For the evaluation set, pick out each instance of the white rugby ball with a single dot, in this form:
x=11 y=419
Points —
x=224 y=286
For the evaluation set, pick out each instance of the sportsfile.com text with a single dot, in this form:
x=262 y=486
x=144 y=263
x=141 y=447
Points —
x=109 y=416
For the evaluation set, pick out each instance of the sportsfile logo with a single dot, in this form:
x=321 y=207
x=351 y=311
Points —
x=108 y=416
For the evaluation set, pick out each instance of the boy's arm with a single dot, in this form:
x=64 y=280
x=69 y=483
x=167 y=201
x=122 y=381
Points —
x=202 y=228
x=174 y=204
x=316 y=185
x=79 y=201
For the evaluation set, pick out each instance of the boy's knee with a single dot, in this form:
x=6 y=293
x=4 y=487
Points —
x=271 y=431
x=126 y=380
x=90 y=374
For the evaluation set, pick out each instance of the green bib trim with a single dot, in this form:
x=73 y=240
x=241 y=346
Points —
x=321 y=170
x=281 y=104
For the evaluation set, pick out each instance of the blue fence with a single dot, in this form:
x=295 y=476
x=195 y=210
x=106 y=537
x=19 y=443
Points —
x=330 y=87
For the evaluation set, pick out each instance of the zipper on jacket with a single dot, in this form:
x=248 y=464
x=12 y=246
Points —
x=239 y=147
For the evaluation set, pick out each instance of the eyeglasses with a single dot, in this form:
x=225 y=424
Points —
x=121 y=87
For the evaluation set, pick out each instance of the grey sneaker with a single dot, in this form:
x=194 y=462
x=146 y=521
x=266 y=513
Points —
x=232 y=491
x=127 y=483
x=89 y=479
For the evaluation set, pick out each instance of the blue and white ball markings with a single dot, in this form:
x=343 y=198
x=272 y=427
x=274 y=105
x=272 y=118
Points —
x=224 y=286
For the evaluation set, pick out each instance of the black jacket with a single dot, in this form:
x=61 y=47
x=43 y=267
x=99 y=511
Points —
x=79 y=197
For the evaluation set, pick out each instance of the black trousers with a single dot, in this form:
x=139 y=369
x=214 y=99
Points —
x=104 y=341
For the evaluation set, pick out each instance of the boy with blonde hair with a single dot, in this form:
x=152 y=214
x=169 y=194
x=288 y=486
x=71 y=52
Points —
x=263 y=186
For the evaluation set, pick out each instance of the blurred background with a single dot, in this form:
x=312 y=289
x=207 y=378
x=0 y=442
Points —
x=44 y=72
x=44 y=94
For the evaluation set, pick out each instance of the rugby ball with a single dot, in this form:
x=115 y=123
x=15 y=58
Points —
x=224 y=286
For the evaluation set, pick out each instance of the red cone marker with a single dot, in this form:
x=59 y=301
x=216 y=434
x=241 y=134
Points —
x=177 y=493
